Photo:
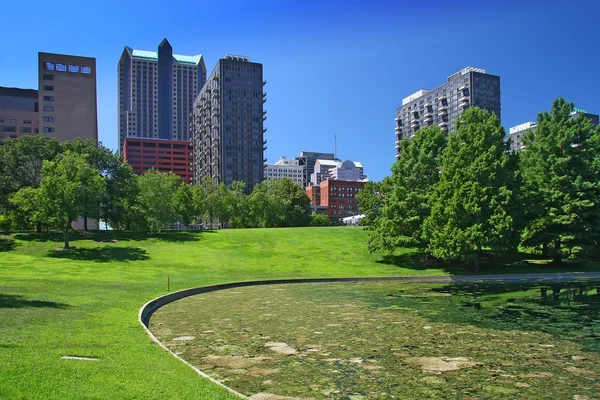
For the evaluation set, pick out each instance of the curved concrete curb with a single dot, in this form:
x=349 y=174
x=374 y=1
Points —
x=150 y=307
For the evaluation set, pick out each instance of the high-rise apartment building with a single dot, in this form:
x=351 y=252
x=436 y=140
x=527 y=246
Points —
x=294 y=168
x=516 y=133
x=18 y=112
x=228 y=127
x=157 y=91
x=443 y=105
x=67 y=96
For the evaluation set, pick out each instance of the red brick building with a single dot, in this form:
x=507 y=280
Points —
x=161 y=154
x=338 y=196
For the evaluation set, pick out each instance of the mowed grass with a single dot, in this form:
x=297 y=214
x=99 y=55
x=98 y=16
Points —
x=84 y=302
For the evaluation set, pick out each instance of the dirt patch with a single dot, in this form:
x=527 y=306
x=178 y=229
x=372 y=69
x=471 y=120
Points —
x=269 y=396
x=234 y=362
x=441 y=364
x=539 y=375
x=579 y=371
x=281 y=348
x=183 y=338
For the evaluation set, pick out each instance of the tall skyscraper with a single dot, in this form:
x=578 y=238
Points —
x=67 y=96
x=157 y=92
x=228 y=124
x=443 y=105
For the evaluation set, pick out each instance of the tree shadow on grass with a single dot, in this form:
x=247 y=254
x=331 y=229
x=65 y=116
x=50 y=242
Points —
x=418 y=262
x=16 y=301
x=7 y=244
x=102 y=254
x=107 y=236
x=492 y=263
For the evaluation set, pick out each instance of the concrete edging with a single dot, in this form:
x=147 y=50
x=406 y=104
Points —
x=151 y=306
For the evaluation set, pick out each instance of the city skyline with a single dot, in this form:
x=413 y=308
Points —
x=340 y=68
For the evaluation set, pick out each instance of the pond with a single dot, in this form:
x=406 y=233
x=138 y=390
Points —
x=380 y=340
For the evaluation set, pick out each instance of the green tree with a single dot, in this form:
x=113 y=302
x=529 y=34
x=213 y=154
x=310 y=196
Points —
x=561 y=174
x=472 y=204
x=407 y=204
x=21 y=163
x=290 y=201
x=371 y=199
x=102 y=159
x=320 y=220
x=119 y=206
x=67 y=185
x=186 y=202
x=155 y=199
x=262 y=210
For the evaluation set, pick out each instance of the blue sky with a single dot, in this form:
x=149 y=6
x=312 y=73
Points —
x=332 y=67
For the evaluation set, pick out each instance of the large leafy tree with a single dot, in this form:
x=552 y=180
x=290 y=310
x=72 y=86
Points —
x=155 y=199
x=189 y=203
x=473 y=203
x=561 y=179
x=21 y=163
x=67 y=185
x=411 y=186
x=107 y=163
x=371 y=199
x=290 y=201
x=119 y=205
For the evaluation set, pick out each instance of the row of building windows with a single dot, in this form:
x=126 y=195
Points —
x=23 y=129
x=14 y=121
x=67 y=67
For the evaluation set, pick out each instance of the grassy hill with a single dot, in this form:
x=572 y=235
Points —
x=84 y=302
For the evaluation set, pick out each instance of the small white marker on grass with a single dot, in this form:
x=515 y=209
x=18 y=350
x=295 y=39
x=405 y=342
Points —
x=79 y=358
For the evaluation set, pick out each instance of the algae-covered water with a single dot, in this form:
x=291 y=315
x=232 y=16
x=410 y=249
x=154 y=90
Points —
x=380 y=340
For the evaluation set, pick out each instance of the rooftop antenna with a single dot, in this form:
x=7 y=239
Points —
x=335 y=145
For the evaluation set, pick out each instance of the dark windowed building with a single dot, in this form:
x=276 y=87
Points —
x=228 y=126
x=443 y=105
x=157 y=92
x=18 y=112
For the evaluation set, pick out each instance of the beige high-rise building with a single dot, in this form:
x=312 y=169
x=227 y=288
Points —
x=67 y=96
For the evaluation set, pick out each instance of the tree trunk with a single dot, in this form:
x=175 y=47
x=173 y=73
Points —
x=66 y=247
x=38 y=227
x=545 y=249
x=477 y=258
x=556 y=256
x=85 y=228
x=543 y=292
x=128 y=225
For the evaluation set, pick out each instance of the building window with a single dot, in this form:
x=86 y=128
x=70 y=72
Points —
x=86 y=70
x=48 y=77
x=8 y=128
x=49 y=66
x=48 y=119
x=49 y=108
x=48 y=130
x=48 y=98
x=73 y=68
x=13 y=121
x=61 y=67
x=27 y=122
x=25 y=130
x=49 y=88
x=1 y=119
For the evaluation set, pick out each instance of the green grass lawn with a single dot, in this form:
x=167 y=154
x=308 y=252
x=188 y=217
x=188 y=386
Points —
x=84 y=302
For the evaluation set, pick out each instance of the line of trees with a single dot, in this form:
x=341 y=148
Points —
x=47 y=184
x=453 y=196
